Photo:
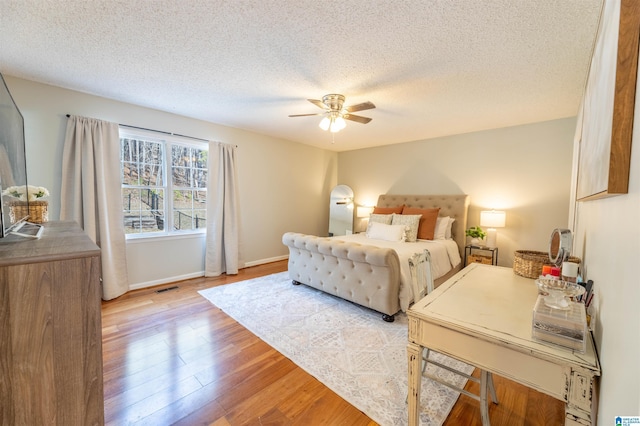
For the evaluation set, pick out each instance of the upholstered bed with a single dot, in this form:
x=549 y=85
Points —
x=375 y=273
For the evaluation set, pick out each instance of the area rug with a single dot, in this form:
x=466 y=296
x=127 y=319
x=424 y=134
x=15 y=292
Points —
x=348 y=348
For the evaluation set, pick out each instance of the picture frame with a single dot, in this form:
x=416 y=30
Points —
x=609 y=103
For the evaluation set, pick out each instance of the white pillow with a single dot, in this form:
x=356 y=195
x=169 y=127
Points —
x=410 y=222
x=443 y=228
x=448 y=232
x=381 y=231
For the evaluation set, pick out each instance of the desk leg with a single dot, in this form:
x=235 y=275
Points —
x=414 y=356
x=582 y=399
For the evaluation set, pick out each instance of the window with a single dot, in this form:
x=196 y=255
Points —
x=164 y=184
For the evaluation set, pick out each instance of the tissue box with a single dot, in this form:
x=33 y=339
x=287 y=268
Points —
x=564 y=328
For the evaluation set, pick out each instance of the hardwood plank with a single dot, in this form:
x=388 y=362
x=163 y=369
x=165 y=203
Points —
x=541 y=411
x=210 y=413
x=159 y=400
x=174 y=358
x=518 y=405
x=256 y=404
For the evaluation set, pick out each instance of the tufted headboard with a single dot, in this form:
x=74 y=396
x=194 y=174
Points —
x=455 y=206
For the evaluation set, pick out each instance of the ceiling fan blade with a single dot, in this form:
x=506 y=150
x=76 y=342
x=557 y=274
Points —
x=360 y=107
x=357 y=118
x=318 y=103
x=305 y=115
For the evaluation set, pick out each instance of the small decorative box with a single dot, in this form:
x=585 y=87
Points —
x=566 y=328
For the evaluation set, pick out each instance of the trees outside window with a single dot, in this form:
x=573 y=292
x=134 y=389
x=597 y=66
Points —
x=164 y=184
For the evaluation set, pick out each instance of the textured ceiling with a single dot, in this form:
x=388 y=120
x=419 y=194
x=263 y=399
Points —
x=432 y=67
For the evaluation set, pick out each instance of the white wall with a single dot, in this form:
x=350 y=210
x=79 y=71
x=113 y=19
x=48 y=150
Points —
x=524 y=170
x=284 y=186
x=607 y=238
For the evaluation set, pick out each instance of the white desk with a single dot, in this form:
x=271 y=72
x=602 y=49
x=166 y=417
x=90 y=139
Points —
x=482 y=316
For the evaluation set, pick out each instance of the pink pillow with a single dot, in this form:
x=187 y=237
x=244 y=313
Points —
x=388 y=210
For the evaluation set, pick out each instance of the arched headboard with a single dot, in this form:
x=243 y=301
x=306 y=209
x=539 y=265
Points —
x=455 y=206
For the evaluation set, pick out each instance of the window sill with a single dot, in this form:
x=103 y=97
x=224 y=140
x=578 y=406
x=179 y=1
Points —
x=144 y=238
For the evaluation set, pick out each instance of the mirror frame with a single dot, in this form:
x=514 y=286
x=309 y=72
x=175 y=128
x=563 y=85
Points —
x=560 y=244
x=341 y=211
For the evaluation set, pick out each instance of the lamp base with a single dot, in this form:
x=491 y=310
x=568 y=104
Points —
x=492 y=235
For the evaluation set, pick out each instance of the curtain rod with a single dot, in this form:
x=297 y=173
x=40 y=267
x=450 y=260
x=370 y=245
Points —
x=160 y=131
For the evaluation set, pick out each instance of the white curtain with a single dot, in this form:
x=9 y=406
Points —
x=222 y=251
x=91 y=194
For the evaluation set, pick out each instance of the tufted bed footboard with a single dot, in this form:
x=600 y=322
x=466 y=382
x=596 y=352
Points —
x=366 y=275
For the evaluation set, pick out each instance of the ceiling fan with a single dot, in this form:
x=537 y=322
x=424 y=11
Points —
x=335 y=112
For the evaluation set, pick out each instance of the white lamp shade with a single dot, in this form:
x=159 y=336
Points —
x=493 y=219
x=363 y=211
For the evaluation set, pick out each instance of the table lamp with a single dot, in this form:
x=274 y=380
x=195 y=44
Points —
x=492 y=219
x=363 y=211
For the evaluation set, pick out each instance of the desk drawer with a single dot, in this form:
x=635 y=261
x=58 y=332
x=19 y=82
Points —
x=496 y=357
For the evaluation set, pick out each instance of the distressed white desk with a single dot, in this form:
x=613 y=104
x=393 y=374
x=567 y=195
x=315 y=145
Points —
x=482 y=316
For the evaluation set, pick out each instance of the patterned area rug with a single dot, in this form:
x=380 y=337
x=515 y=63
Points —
x=347 y=347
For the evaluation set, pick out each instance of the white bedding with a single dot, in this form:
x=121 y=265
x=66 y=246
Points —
x=444 y=257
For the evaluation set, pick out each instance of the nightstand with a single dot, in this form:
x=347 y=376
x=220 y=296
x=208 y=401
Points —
x=480 y=254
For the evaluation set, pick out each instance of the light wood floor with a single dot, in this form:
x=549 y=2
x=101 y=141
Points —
x=171 y=357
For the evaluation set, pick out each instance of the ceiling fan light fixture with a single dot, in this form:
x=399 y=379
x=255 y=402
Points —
x=338 y=124
x=335 y=113
x=333 y=122
x=325 y=123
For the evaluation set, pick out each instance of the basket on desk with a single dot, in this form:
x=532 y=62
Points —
x=529 y=263
x=38 y=211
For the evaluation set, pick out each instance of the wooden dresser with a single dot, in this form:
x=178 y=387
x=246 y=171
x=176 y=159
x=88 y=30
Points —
x=50 y=329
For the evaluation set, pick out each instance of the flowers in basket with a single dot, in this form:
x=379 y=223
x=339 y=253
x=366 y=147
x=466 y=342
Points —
x=37 y=210
x=26 y=192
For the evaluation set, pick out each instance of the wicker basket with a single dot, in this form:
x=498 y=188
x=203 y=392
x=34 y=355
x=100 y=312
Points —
x=478 y=258
x=528 y=263
x=38 y=211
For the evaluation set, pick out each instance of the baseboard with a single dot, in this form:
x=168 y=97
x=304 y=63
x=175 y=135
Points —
x=138 y=286
x=263 y=261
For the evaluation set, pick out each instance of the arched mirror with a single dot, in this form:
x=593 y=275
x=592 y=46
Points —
x=341 y=211
x=560 y=246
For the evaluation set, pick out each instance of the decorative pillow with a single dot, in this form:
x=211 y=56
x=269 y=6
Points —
x=442 y=223
x=448 y=235
x=381 y=231
x=388 y=210
x=410 y=222
x=427 y=226
x=380 y=218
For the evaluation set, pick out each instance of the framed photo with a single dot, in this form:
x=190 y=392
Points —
x=609 y=102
